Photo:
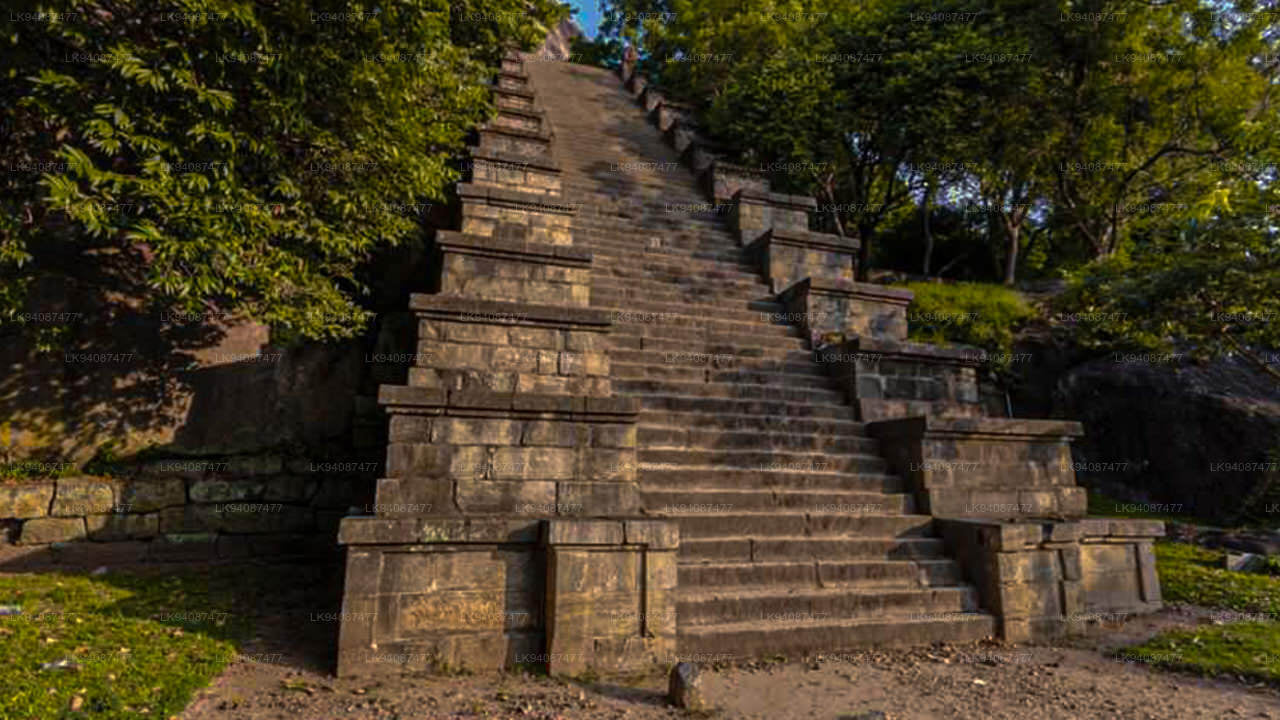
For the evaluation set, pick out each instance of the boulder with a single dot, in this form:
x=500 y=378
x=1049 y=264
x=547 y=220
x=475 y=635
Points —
x=1196 y=438
x=684 y=689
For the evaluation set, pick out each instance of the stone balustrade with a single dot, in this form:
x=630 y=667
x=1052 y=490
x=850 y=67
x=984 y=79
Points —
x=507 y=430
x=1046 y=579
x=985 y=467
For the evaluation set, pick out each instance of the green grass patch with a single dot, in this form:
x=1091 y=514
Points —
x=127 y=646
x=1194 y=575
x=979 y=314
x=1248 y=650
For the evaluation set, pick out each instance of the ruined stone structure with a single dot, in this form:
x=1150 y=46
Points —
x=622 y=444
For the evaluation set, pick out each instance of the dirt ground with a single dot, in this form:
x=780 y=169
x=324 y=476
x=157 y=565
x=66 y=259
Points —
x=284 y=674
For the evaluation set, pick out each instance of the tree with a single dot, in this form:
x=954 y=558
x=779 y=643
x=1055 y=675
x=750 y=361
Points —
x=1211 y=289
x=1150 y=102
x=242 y=156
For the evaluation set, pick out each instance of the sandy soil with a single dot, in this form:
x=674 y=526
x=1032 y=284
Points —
x=285 y=674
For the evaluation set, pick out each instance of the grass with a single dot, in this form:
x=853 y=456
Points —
x=1194 y=575
x=1248 y=650
x=118 y=645
x=979 y=314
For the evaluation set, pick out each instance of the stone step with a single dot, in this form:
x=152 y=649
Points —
x=690 y=501
x=822 y=573
x=713 y=293
x=841 y=426
x=631 y=195
x=625 y=266
x=638 y=323
x=607 y=216
x=779 y=360
x=803 y=377
x=664 y=248
x=710 y=259
x=674 y=437
x=628 y=272
x=773 y=549
x=730 y=284
x=723 y=406
x=707 y=606
x=674 y=244
x=730 y=391
x=756 y=639
x=668 y=478
x=729 y=345
x=762 y=460
x=609 y=231
x=632 y=238
x=699 y=305
x=789 y=524
x=685 y=313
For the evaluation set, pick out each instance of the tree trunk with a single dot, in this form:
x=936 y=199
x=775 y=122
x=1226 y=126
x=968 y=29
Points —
x=865 y=234
x=1013 y=230
x=925 y=203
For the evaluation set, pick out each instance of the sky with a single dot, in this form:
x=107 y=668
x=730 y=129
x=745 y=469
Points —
x=587 y=13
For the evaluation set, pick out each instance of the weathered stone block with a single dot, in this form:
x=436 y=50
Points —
x=211 y=491
x=40 y=531
x=409 y=428
x=521 y=497
x=25 y=501
x=560 y=434
x=598 y=498
x=421 y=460
x=532 y=463
x=476 y=333
x=613 y=436
x=536 y=338
x=477 y=431
x=254 y=465
x=83 y=496
x=657 y=534
x=584 y=532
x=122 y=526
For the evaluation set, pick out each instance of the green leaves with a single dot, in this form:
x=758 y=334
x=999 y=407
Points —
x=237 y=154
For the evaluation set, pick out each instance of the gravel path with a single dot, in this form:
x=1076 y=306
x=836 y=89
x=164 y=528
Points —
x=286 y=677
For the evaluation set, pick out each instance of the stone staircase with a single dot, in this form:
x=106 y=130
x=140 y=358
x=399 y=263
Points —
x=793 y=533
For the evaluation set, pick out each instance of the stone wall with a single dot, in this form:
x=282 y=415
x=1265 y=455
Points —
x=611 y=595
x=485 y=593
x=985 y=467
x=522 y=454
x=497 y=346
x=184 y=510
x=887 y=379
x=1046 y=580
x=506 y=428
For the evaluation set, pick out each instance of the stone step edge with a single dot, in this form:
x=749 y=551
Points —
x=712 y=629
x=715 y=593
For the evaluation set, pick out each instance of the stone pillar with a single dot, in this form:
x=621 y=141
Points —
x=1044 y=580
x=822 y=305
x=985 y=467
x=611 y=595
x=889 y=379
x=440 y=594
x=723 y=180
